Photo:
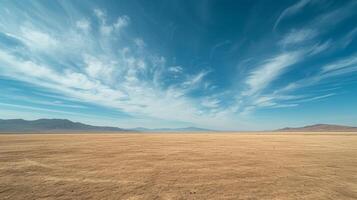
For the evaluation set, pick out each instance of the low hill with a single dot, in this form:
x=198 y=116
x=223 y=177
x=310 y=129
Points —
x=320 y=128
x=185 y=129
x=64 y=125
x=51 y=125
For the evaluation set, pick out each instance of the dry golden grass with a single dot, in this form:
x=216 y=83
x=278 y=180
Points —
x=178 y=166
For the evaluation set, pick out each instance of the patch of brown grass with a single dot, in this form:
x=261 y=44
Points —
x=178 y=166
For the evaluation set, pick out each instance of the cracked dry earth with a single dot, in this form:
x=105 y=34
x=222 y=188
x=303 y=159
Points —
x=178 y=166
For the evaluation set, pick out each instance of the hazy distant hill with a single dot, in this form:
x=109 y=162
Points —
x=51 y=125
x=320 y=128
x=186 y=129
x=64 y=125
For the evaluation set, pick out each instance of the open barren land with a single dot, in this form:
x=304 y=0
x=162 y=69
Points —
x=179 y=166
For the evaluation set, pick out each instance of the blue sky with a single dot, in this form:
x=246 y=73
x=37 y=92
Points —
x=230 y=65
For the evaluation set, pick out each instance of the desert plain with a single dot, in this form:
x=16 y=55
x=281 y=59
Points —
x=179 y=166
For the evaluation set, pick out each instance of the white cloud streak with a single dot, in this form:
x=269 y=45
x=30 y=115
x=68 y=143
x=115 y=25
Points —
x=83 y=25
x=291 y=11
x=126 y=78
x=347 y=65
x=96 y=61
x=349 y=62
x=304 y=42
x=298 y=37
x=265 y=74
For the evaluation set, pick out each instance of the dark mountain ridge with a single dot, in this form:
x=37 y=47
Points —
x=65 y=125
x=320 y=128
x=51 y=125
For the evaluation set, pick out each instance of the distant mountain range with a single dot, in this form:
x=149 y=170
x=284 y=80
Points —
x=64 y=125
x=51 y=125
x=320 y=128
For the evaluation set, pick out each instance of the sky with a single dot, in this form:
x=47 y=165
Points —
x=219 y=64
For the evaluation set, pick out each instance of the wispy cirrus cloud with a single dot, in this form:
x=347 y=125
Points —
x=84 y=25
x=326 y=73
x=351 y=36
x=342 y=64
x=298 y=45
x=102 y=59
x=262 y=76
x=125 y=77
x=298 y=36
x=293 y=9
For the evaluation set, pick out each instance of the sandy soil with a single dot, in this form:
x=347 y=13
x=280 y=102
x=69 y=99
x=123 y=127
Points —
x=179 y=166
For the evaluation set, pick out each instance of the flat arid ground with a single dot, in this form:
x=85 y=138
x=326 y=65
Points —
x=179 y=166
